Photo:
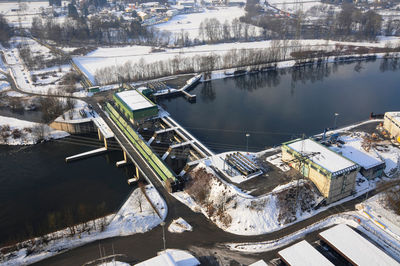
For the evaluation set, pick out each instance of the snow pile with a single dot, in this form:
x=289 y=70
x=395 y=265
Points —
x=240 y=213
x=179 y=226
x=4 y=85
x=19 y=132
x=135 y=216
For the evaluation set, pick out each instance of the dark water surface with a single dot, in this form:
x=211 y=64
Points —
x=35 y=181
x=277 y=106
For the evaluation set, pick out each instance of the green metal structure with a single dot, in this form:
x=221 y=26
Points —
x=158 y=166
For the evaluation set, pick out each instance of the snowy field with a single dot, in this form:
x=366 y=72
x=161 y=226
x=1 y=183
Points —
x=28 y=12
x=135 y=216
x=30 y=132
x=105 y=57
x=190 y=22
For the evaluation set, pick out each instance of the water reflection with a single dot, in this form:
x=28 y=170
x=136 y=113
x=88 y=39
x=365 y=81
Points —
x=286 y=102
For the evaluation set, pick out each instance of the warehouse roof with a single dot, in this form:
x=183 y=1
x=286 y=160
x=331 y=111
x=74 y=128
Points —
x=355 y=248
x=303 y=254
x=330 y=160
x=135 y=100
x=358 y=156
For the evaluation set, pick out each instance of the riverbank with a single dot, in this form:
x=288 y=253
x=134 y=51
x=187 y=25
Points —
x=20 y=132
x=135 y=216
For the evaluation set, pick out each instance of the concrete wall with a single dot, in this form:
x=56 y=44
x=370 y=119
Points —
x=342 y=186
x=74 y=128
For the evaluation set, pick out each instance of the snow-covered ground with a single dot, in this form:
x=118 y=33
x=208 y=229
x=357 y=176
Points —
x=190 y=22
x=135 y=216
x=179 y=226
x=105 y=57
x=380 y=151
x=24 y=133
x=248 y=215
x=376 y=210
x=47 y=79
x=352 y=219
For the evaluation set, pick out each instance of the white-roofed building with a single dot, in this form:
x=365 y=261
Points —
x=371 y=167
x=392 y=124
x=134 y=105
x=355 y=248
x=303 y=254
x=333 y=174
x=171 y=257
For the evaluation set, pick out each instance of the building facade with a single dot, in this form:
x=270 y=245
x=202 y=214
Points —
x=333 y=174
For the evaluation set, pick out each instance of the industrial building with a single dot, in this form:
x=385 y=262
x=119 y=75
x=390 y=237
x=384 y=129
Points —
x=333 y=174
x=134 y=105
x=371 y=167
x=392 y=124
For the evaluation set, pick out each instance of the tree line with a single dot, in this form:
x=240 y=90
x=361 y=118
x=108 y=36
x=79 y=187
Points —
x=5 y=31
x=349 y=24
x=94 y=30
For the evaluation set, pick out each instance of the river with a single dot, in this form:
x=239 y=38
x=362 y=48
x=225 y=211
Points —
x=277 y=106
x=35 y=182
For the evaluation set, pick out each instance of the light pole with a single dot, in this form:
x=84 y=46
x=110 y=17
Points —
x=247 y=142
x=334 y=120
x=163 y=233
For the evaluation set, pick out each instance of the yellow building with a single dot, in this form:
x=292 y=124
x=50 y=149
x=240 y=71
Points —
x=392 y=124
x=333 y=174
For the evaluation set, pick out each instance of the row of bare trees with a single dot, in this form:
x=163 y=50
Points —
x=233 y=58
x=213 y=31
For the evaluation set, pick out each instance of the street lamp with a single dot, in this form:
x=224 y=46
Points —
x=247 y=142
x=334 y=120
x=163 y=233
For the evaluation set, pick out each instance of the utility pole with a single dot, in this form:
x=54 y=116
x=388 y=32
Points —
x=163 y=233
x=335 y=115
x=247 y=142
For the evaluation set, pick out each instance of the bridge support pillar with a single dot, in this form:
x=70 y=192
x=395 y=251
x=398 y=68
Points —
x=137 y=172
x=125 y=156
x=105 y=143
x=99 y=133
